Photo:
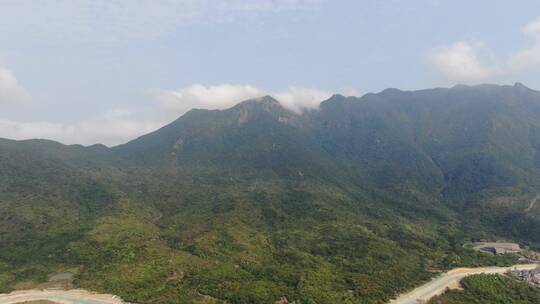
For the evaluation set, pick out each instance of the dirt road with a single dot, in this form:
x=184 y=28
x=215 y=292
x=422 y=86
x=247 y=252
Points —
x=449 y=279
x=59 y=296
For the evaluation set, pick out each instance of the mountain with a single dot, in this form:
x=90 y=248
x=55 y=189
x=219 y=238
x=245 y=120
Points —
x=351 y=203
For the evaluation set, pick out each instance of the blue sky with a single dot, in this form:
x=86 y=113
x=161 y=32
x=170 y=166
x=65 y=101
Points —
x=107 y=71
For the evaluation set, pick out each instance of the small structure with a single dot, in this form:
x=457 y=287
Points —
x=497 y=248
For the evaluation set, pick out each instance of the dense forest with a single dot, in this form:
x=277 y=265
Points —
x=352 y=203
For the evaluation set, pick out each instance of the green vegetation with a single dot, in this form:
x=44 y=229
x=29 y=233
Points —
x=490 y=289
x=353 y=203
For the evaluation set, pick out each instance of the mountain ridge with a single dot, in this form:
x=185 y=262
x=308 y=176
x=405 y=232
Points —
x=519 y=86
x=352 y=203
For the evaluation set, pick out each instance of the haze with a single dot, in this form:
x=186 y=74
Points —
x=108 y=71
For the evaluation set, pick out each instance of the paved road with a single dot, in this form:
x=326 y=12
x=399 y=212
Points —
x=59 y=296
x=436 y=286
x=439 y=284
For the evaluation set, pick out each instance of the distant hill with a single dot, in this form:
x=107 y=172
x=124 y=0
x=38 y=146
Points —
x=351 y=203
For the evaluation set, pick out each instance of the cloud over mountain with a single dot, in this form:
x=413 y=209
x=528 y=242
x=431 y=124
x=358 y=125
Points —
x=223 y=96
x=120 y=125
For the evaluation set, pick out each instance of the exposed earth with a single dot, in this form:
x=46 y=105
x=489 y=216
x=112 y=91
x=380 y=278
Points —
x=76 y=296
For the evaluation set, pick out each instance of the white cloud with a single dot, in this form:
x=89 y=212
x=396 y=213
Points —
x=532 y=28
x=226 y=95
x=530 y=57
x=119 y=126
x=461 y=62
x=524 y=60
x=465 y=62
x=10 y=89
x=207 y=97
x=298 y=99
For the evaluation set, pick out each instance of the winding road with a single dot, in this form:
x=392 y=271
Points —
x=419 y=295
x=59 y=296
x=450 y=279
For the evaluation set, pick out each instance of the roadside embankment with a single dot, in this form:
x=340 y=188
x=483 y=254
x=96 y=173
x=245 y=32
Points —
x=450 y=279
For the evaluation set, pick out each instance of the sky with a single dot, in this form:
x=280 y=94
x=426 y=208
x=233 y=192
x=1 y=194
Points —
x=96 y=71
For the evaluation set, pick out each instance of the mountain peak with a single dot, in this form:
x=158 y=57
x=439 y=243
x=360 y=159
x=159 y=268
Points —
x=267 y=99
x=334 y=101
x=520 y=87
x=266 y=103
x=257 y=108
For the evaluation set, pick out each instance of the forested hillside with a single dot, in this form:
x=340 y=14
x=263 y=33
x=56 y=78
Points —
x=352 y=203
